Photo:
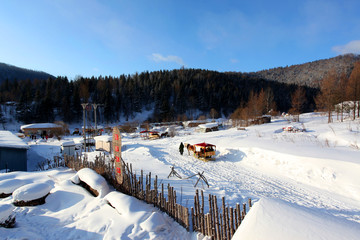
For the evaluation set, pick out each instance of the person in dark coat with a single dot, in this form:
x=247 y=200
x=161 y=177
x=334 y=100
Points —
x=181 y=148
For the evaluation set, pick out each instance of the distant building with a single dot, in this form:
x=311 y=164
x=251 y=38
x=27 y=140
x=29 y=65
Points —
x=208 y=127
x=40 y=128
x=68 y=148
x=103 y=143
x=13 y=152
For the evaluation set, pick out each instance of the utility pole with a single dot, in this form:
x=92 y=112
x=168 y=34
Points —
x=95 y=105
x=84 y=127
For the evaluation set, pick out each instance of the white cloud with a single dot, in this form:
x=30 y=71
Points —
x=351 y=47
x=157 y=57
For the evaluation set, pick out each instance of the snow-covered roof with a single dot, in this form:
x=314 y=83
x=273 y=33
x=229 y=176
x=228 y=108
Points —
x=10 y=140
x=208 y=125
x=40 y=125
x=104 y=138
x=68 y=144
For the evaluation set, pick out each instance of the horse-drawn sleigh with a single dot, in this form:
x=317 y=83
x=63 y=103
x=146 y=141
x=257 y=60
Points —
x=203 y=151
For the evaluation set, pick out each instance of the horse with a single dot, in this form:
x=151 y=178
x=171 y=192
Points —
x=189 y=147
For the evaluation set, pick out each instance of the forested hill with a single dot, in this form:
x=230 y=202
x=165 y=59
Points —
x=168 y=95
x=11 y=73
x=309 y=74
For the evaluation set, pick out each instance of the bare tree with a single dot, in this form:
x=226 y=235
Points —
x=353 y=89
x=326 y=100
x=298 y=100
x=341 y=93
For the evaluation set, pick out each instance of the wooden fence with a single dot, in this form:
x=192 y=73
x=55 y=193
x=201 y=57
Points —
x=219 y=223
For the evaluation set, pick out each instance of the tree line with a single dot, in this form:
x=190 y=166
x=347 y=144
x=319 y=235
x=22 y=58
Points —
x=180 y=94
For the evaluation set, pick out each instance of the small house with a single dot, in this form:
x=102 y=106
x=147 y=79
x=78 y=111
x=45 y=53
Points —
x=261 y=120
x=103 y=143
x=42 y=129
x=13 y=152
x=68 y=148
x=208 y=127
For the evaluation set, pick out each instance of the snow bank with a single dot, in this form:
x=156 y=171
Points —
x=124 y=204
x=10 y=185
x=148 y=221
x=32 y=191
x=155 y=223
x=275 y=219
x=94 y=180
x=5 y=211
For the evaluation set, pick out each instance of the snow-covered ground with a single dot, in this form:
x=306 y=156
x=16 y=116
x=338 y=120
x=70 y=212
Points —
x=305 y=184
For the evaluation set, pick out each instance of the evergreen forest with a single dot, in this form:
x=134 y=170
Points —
x=174 y=95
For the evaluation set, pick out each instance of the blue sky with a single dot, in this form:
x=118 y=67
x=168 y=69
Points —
x=114 y=37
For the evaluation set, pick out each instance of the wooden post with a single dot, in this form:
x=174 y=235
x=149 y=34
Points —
x=203 y=225
x=231 y=222
x=217 y=230
x=236 y=219
x=117 y=154
x=244 y=209
x=193 y=219
x=224 y=218
x=196 y=222
x=187 y=219
x=227 y=223
x=211 y=218
x=162 y=197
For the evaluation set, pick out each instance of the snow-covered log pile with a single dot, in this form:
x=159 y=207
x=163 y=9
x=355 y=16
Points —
x=91 y=181
x=8 y=186
x=32 y=194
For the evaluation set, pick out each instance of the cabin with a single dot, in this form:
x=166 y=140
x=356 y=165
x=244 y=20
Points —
x=41 y=129
x=68 y=148
x=13 y=152
x=103 y=143
x=193 y=123
x=261 y=120
x=208 y=127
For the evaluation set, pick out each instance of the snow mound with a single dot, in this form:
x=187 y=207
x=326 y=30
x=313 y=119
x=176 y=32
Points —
x=276 y=219
x=5 y=211
x=94 y=180
x=155 y=223
x=124 y=204
x=32 y=191
x=10 y=185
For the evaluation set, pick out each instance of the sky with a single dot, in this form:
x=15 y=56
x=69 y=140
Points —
x=92 y=37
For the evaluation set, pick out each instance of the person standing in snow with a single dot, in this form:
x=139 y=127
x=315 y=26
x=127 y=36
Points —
x=181 y=148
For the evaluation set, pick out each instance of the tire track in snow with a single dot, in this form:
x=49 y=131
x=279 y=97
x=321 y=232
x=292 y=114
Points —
x=238 y=182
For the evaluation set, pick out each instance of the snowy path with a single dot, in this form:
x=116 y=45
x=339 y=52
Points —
x=230 y=176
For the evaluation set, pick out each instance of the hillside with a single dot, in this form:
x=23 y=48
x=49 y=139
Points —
x=12 y=72
x=309 y=74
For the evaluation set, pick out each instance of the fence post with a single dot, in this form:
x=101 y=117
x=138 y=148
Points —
x=231 y=222
x=217 y=230
x=203 y=225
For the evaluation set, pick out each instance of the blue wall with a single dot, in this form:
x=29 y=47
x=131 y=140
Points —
x=15 y=158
